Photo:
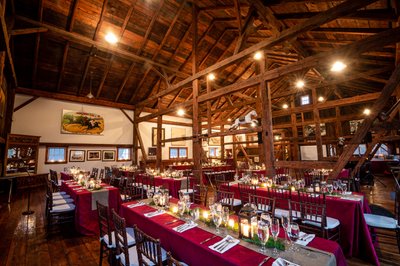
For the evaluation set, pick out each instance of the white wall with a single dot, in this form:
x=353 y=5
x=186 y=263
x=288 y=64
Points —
x=42 y=118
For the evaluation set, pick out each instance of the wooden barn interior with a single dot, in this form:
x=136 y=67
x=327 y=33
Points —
x=197 y=94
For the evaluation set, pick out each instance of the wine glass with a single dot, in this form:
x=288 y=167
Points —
x=344 y=188
x=294 y=234
x=286 y=225
x=274 y=233
x=335 y=185
x=149 y=194
x=266 y=218
x=263 y=235
x=181 y=207
x=195 y=213
x=156 y=199
x=217 y=219
x=329 y=188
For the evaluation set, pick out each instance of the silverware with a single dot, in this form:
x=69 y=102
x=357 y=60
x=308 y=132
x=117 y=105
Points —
x=227 y=242
x=208 y=239
x=264 y=261
x=181 y=226
x=220 y=243
x=171 y=222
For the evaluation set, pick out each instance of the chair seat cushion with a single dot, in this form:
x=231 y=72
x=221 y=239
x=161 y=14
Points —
x=62 y=201
x=331 y=223
x=59 y=193
x=130 y=238
x=57 y=197
x=236 y=202
x=62 y=208
x=380 y=221
x=133 y=257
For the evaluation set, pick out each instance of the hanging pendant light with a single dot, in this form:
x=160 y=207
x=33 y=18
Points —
x=90 y=95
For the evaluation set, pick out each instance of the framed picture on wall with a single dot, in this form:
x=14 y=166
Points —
x=108 y=155
x=154 y=136
x=76 y=155
x=93 y=156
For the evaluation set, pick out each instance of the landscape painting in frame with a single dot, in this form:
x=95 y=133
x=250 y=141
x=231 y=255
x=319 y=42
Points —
x=74 y=122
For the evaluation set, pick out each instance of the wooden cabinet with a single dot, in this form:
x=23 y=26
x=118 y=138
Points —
x=21 y=154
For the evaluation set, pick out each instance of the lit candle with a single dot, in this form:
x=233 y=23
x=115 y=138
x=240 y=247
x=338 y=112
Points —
x=175 y=209
x=246 y=230
x=253 y=228
x=205 y=215
x=264 y=184
x=293 y=189
x=231 y=223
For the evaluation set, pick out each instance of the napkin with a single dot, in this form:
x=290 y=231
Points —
x=216 y=246
x=78 y=188
x=140 y=203
x=283 y=262
x=155 y=213
x=305 y=239
x=184 y=227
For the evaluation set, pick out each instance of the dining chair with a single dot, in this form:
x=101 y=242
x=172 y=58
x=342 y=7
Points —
x=55 y=198
x=282 y=197
x=95 y=172
x=227 y=199
x=58 y=214
x=101 y=174
x=149 y=251
x=387 y=224
x=199 y=195
x=174 y=262
x=148 y=182
x=186 y=185
x=134 y=192
x=245 y=191
x=54 y=180
x=263 y=204
x=107 y=234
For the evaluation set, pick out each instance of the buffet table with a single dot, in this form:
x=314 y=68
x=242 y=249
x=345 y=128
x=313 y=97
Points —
x=187 y=246
x=355 y=238
x=86 y=221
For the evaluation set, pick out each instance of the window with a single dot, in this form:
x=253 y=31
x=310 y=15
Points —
x=123 y=154
x=305 y=99
x=213 y=152
x=178 y=153
x=360 y=150
x=56 y=155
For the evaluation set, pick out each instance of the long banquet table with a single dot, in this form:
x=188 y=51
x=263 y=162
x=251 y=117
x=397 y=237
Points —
x=355 y=238
x=86 y=221
x=186 y=246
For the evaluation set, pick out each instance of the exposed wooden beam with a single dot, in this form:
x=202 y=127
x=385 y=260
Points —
x=174 y=123
x=98 y=26
x=305 y=164
x=127 y=116
x=72 y=98
x=376 y=108
x=74 y=37
x=37 y=46
x=83 y=78
x=22 y=105
x=238 y=15
x=103 y=79
x=338 y=11
x=72 y=15
x=64 y=60
x=127 y=75
x=28 y=31
x=370 y=14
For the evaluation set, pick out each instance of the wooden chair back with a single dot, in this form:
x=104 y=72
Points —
x=245 y=191
x=101 y=174
x=120 y=236
x=263 y=204
x=95 y=172
x=148 y=247
x=171 y=261
x=281 y=196
x=199 y=195
x=226 y=198
x=104 y=222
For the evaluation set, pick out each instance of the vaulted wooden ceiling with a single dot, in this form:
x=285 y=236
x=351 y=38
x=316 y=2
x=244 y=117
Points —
x=59 y=48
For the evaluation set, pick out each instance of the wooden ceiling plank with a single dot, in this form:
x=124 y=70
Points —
x=100 y=45
x=150 y=27
x=87 y=65
x=127 y=75
x=72 y=15
x=238 y=15
x=37 y=46
x=98 y=26
x=245 y=30
x=28 y=31
x=62 y=69
x=103 y=80
x=331 y=14
x=370 y=14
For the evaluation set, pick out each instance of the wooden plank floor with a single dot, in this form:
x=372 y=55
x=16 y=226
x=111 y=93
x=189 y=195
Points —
x=26 y=242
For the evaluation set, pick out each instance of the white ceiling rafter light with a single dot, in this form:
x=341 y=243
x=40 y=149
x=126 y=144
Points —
x=181 y=112
x=338 y=66
x=90 y=95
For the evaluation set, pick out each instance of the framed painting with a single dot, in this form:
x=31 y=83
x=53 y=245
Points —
x=215 y=141
x=154 y=136
x=309 y=130
x=354 y=125
x=82 y=123
x=93 y=155
x=178 y=132
x=76 y=155
x=108 y=155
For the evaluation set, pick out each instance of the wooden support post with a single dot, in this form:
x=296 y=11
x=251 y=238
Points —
x=135 y=139
x=196 y=87
x=318 y=138
x=379 y=104
x=208 y=108
x=159 y=146
x=295 y=134
x=222 y=143
x=266 y=122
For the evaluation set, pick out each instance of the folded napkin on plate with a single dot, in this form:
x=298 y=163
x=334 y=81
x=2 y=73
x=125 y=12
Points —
x=305 y=239
x=155 y=213
x=140 y=203
x=184 y=227
x=283 y=262
x=229 y=242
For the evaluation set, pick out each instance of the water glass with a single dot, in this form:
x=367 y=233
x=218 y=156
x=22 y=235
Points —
x=217 y=219
x=344 y=188
x=294 y=234
x=263 y=235
x=286 y=225
x=181 y=207
x=329 y=187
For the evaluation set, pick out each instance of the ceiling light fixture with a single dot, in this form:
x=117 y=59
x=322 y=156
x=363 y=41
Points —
x=90 y=95
x=367 y=111
x=338 y=66
x=285 y=106
x=258 y=55
x=229 y=120
x=180 y=112
x=111 y=38
x=211 y=76
x=321 y=98
x=299 y=84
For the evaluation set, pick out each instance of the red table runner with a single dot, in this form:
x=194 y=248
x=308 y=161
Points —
x=86 y=221
x=186 y=246
x=355 y=238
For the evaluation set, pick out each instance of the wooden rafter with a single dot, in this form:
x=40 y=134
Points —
x=28 y=31
x=103 y=80
x=64 y=60
x=37 y=46
x=86 y=70
x=127 y=75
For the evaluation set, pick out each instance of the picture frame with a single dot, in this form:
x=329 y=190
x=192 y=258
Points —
x=214 y=141
x=81 y=123
x=93 y=155
x=108 y=155
x=154 y=136
x=76 y=155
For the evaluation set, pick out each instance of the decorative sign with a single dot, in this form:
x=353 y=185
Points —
x=354 y=125
x=309 y=130
x=81 y=123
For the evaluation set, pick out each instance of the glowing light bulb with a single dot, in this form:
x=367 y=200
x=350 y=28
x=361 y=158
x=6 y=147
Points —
x=181 y=112
x=211 y=76
x=338 y=66
x=258 y=55
x=299 y=84
x=367 y=111
x=285 y=106
x=111 y=38
x=321 y=99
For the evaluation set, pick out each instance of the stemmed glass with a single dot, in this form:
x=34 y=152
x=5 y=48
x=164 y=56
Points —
x=344 y=188
x=149 y=194
x=286 y=225
x=225 y=217
x=217 y=219
x=274 y=233
x=181 y=207
x=266 y=218
x=263 y=234
x=335 y=185
x=329 y=187
x=294 y=234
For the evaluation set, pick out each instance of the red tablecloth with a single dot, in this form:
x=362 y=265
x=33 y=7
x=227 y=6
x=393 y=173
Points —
x=66 y=176
x=186 y=246
x=355 y=238
x=173 y=184
x=181 y=167
x=86 y=221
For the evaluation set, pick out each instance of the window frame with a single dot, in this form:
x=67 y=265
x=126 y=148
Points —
x=216 y=149
x=178 y=153
x=301 y=99
x=130 y=153
x=55 y=147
